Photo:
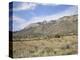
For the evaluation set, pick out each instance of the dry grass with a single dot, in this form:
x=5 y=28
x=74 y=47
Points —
x=65 y=45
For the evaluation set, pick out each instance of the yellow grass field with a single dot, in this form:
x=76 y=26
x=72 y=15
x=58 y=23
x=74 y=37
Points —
x=66 y=45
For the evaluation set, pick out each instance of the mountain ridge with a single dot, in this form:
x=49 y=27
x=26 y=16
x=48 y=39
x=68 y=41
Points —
x=63 y=26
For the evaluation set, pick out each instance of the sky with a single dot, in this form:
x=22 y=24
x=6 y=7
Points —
x=22 y=14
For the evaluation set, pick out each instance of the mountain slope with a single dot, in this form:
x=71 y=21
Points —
x=64 y=26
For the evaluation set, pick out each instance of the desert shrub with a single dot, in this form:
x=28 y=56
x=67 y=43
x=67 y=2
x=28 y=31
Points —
x=57 y=36
x=31 y=51
x=36 y=47
x=55 y=52
x=67 y=46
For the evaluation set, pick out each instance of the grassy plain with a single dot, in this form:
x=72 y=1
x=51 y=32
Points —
x=66 y=45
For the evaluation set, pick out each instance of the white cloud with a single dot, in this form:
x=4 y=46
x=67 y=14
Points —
x=18 y=19
x=17 y=22
x=24 y=6
x=70 y=11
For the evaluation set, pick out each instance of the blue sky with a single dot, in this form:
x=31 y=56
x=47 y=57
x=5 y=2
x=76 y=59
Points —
x=25 y=13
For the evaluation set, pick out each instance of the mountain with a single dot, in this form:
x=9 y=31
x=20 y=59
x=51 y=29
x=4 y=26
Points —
x=63 y=26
